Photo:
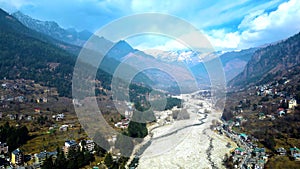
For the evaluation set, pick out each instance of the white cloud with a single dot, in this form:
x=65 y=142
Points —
x=248 y=18
x=221 y=40
x=277 y=25
x=247 y=34
x=259 y=28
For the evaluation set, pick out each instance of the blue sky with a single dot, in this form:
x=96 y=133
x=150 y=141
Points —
x=228 y=24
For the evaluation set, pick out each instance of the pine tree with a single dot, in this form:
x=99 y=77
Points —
x=48 y=164
x=108 y=160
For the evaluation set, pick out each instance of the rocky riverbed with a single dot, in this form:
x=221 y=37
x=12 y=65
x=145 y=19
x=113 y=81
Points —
x=188 y=143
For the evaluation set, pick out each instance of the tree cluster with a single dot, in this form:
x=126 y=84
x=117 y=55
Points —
x=75 y=160
x=13 y=136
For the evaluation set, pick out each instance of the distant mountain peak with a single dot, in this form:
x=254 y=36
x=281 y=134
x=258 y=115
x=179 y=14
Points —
x=53 y=29
x=186 y=56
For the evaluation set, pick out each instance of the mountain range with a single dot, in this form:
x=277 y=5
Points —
x=53 y=30
x=248 y=65
x=27 y=54
x=233 y=62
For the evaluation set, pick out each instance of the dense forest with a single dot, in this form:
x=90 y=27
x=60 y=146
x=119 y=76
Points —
x=13 y=136
x=24 y=55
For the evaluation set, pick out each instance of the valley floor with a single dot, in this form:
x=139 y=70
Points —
x=187 y=143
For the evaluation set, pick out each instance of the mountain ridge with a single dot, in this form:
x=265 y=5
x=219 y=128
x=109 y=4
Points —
x=270 y=62
x=27 y=54
x=52 y=29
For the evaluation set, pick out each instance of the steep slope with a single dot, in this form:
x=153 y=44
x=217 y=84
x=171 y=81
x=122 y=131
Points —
x=120 y=50
x=271 y=62
x=24 y=55
x=235 y=62
x=11 y=24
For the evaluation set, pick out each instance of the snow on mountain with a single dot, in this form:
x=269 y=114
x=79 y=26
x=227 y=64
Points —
x=187 y=56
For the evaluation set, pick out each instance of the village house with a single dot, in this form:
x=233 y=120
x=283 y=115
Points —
x=112 y=139
x=292 y=103
x=272 y=117
x=3 y=85
x=281 y=151
x=64 y=127
x=239 y=151
x=243 y=136
x=259 y=152
x=295 y=153
x=3 y=148
x=42 y=156
x=21 y=117
x=45 y=100
x=70 y=145
x=59 y=117
x=261 y=116
x=122 y=124
x=89 y=145
x=29 y=118
x=19 y=99
x=11 y=116
x=17 y=157
x=76 y=103
x=128 y=114
x=281 y=113
x=37 y=110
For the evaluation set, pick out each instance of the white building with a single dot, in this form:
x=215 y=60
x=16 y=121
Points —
x=70 y=144
x=3 y=148
x=292 y=103
x=60 y=117
x=89 y=145
x=64 y=127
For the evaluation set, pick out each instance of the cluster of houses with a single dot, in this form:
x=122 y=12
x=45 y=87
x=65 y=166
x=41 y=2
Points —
x=16 y=117
x=164 y=117
x=248 y=154
x=255 y=158
x=123 y=123
x=26 y=87
x=62 y=128
x=17 y=158
x=8 y=98
x=41 y=100
x=282 y=100
x=274 y=90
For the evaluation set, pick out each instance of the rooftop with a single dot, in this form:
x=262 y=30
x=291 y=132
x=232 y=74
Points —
x=16 y=151
x=70 y=143
x=46 y=154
